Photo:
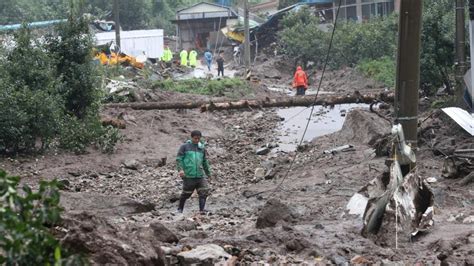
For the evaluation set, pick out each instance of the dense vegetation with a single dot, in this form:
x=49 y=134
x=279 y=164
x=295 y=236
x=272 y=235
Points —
x=372 y=45
x=49 y=90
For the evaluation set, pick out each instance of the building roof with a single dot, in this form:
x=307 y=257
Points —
x=205 y=10
x=265 y=5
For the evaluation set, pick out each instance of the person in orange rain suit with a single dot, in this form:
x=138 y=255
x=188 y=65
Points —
x=300 y=81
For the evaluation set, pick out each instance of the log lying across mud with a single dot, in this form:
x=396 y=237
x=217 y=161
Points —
x=258 y=103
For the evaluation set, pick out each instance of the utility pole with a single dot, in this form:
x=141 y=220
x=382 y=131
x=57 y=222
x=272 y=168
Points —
x=471 y=39
x=117 y=23
x=460 y=52
x=408 y=68
x=247 y=35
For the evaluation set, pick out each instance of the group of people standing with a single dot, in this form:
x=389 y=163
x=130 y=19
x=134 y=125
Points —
x=190 y=58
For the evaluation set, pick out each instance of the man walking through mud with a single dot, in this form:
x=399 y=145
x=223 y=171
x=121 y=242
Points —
x=194 y=169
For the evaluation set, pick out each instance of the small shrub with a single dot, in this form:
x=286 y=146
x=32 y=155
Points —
x=77 y=134
x=108 y=139
x=25 y=239
x=382 y=70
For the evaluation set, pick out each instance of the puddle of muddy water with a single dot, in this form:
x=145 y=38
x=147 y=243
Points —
x=201 y=71
x=324 y=121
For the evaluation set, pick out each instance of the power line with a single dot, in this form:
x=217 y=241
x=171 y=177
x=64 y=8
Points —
x=312 y=108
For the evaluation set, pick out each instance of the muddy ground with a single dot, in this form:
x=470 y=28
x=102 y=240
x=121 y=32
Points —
x=120 y=208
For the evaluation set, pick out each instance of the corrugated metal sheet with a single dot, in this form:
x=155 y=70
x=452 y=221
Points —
x=462 y=118
x=136 y=42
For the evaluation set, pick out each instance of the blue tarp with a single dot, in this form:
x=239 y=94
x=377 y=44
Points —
x=32 y=24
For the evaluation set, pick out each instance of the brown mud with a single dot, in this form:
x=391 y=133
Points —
x=121 y=208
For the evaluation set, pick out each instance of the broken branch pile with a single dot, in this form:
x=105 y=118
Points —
x=256 y=103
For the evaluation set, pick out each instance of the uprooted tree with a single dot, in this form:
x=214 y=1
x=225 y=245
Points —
x=264 y=103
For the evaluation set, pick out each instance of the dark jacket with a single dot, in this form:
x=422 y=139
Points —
x=192 y=160
x=220 y=62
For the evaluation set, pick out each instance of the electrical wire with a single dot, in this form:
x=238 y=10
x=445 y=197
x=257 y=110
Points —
x=312 y=109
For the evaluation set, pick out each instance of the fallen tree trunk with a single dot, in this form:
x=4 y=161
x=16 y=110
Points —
x=258 y=103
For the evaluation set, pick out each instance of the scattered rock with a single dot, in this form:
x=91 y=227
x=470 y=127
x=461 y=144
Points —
x=131 y=164
x=162 y=162
x=273 y=211
x=234 y=251
x=339 y=260
x=74 y=173
x=171 y=250
x=198 y=234
x=297 y=244
x=468 y=220
x=270 y=174
x=206 y=255
x=163 y=234
x=319 y=226
x=272 y=145
x=259 y=173
x=263 y=151
x=186 y=225
x=360 y=260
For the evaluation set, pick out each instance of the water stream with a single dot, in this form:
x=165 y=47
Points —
x=324 y=121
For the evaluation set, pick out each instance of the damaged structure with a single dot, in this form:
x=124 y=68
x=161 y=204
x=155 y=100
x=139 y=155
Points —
x=398 y=203
x=199 y=26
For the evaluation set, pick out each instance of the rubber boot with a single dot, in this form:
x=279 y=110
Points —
x=182 y=200
x=202 y=203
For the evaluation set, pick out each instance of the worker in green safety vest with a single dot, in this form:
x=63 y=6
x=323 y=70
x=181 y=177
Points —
x=167 y=56
x=193 y=58
x=184 y=57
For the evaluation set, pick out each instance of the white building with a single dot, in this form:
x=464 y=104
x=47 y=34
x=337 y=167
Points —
x=136 y=42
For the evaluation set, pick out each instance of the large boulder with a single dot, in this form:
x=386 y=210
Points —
x=274 y=211
x=210 y=254
x=362 y=126
x=163 y=234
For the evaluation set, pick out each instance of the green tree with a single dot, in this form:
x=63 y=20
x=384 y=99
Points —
x=71 y=50
x=18 y=11
x=437 y=44
x=30 y=107
x=301 y=37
